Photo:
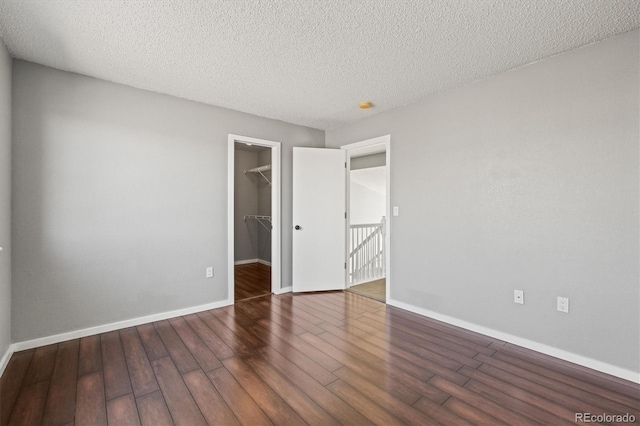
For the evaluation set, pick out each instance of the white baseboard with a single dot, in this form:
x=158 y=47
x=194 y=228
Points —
x=5 y=359
x=284 y=290
x=529 y=344
x=63 y=337
x=246 y=261
x=526 y=343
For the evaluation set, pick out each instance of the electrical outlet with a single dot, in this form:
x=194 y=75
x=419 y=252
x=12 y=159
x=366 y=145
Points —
x=518 y=296
x=210 y=272
x=563 y=304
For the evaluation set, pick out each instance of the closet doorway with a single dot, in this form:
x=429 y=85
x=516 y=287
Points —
x=254 y=200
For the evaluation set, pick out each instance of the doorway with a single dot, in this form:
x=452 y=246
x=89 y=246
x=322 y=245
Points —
x=368 y=211
x=320 y=215
x=253 y=218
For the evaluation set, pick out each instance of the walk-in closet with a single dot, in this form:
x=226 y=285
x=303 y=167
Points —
x=252 y=206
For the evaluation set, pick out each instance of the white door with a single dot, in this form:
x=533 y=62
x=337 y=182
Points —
x=319 y=199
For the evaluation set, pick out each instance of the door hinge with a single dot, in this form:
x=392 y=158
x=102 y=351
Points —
x=345 y=164
x=345 y=215
x=345 y=265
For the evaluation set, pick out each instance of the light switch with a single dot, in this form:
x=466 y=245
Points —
x=396 y=211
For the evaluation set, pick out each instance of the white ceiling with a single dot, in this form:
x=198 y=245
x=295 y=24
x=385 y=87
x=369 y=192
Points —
x=307 y=62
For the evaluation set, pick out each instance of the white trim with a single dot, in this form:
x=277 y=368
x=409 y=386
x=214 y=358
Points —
x=284 y=290
x=247 y=261
x=230 y=215
x=5 y=358
x=386 y=142
x=63 y=337
x=380 y=140
x=276 y=218
x=526 y=343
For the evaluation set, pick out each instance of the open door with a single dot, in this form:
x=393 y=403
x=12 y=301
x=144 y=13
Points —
x=319 y=197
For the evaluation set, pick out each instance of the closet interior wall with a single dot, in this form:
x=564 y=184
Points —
x=264 y=208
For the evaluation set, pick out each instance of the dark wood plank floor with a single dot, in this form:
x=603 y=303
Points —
x=252 y=280
x=323 y=358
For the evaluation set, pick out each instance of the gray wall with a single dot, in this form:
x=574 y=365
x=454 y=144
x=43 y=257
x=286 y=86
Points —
x=120 y=200
x=5 y=199
x=527 y=180
x=245 y=202
x=368 y=161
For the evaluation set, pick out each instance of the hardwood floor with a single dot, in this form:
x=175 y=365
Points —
x=322 y=358
x=251 y=280
x=373 y=289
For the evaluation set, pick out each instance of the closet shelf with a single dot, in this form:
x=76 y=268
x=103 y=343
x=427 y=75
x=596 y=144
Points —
x=260 y=171
x=261 y=220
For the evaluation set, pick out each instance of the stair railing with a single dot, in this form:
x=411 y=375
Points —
x=367 y=253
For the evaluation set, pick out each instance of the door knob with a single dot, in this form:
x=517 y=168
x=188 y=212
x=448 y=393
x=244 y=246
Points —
x=297 y=227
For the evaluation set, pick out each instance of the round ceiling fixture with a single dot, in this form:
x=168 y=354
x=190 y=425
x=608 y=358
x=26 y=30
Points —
x=365 y=105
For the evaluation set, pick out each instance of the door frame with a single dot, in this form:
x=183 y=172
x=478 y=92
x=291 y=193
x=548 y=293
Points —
x=372 y=144
x=276 y=188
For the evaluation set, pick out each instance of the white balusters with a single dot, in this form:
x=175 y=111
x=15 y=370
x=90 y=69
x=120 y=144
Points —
x=366 y=254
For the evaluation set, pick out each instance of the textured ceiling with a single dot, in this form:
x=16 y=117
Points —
x=304 y=61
